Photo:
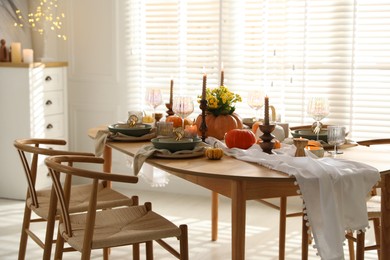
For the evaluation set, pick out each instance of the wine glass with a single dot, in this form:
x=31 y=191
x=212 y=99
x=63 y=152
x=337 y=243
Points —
x=153 y=97
x=256 y=100
x=318 y=109
x=336 y=136
x=183 y=107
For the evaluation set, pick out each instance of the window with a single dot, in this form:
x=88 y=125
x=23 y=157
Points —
x=290 y=49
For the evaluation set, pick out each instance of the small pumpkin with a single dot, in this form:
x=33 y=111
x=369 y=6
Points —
x=240 y=138
x=214 y=153
x=176 y=120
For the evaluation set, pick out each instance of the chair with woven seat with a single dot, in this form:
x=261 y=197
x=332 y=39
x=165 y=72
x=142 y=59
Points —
x=39 y=202
x=374 y=214
x=116 y=227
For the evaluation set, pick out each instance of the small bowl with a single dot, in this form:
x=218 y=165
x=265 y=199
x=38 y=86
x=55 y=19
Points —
x=317 y=151
x=137 y=130
x=174 y=145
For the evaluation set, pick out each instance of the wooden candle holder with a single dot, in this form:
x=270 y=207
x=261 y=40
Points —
x=169 y=111
x=267 y=145
x=300 y=143
x=203 y=125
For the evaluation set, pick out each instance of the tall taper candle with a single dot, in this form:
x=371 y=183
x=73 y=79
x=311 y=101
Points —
x=171 y=93
x=266 y=110
x=222 y=75
x=204 y=85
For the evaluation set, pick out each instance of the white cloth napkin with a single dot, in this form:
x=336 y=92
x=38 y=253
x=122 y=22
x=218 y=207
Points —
x=334 y=191
x=157 y=178
x=105 y=135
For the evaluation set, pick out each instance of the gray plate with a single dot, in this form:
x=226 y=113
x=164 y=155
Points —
x=173 y=146
x=137 y=130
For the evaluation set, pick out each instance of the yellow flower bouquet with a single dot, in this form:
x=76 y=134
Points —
x=220 y=101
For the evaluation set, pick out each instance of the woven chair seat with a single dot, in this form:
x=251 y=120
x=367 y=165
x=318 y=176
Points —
x=122 y=226
x=107 y=198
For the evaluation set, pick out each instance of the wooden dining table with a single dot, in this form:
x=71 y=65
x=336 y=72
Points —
x=241 y=181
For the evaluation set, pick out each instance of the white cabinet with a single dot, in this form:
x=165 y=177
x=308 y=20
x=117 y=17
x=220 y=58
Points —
x=33 y=103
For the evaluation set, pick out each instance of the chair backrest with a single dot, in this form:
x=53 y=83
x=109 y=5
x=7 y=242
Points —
x=29 y=151
x=63 y=164
x=374 y=142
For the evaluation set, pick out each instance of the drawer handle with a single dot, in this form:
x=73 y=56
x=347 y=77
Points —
x=48 y=78
x=49 y=126
x=48 y=103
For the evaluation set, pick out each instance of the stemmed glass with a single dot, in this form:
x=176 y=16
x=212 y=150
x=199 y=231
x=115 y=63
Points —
x=183 y=107
x=153 y=98
x=336 y=136
x=256 y=100
x=318 y=109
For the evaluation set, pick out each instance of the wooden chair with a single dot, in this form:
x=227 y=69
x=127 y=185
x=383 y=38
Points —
x=39 y=201
x=107 y=228
x=374 y=214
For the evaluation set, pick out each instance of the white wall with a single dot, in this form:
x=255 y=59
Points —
x=96 y=52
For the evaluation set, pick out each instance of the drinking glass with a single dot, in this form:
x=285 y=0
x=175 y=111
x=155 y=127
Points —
x=256 y=100
x=183 y=107
x=336 y=136
x=153 y=98
x=318 y=109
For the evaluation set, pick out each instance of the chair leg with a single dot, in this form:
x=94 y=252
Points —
x=136 y=252
x=305 y=239
x=149 y=250
x=50 y=224
x=106 y=253
x=282 y=227
x=351 y=248
x=59 y=247
x=360 y=246
x=184 y=255
x=377 y=229
x=23 y=234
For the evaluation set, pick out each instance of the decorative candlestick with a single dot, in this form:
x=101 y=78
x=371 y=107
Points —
x=222 y=75
x=171 y=93
x=300 y=143
x=266 y=110
x=267 y=145
x=169 y=105
x=203 y=107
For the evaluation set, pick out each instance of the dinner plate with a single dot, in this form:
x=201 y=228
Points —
x=308 y=134
x=126 y=129
x=174 y=145
x=179 y=155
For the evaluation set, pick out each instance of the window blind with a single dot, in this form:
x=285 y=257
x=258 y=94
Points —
x=292 y=50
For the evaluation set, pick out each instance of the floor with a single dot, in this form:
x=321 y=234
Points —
x=261 y=232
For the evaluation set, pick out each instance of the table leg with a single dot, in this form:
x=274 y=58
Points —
x=107 y=155
x=238 y=197
x=282 y=227
x=214 y=216
x=385 y=216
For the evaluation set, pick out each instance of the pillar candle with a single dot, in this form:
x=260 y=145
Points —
x=171 y=93
x=204 y=85
x=28 y=55
x=266 y=111
x=16 y=55
x=222 y=75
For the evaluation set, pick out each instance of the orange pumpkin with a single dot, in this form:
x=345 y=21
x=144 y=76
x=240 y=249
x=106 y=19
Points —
x=176 y=120
x=240 y=138
x=218 y=126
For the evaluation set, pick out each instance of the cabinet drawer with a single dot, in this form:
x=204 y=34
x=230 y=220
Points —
x=53 y=79
x=54 y=126
x=53 y=102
